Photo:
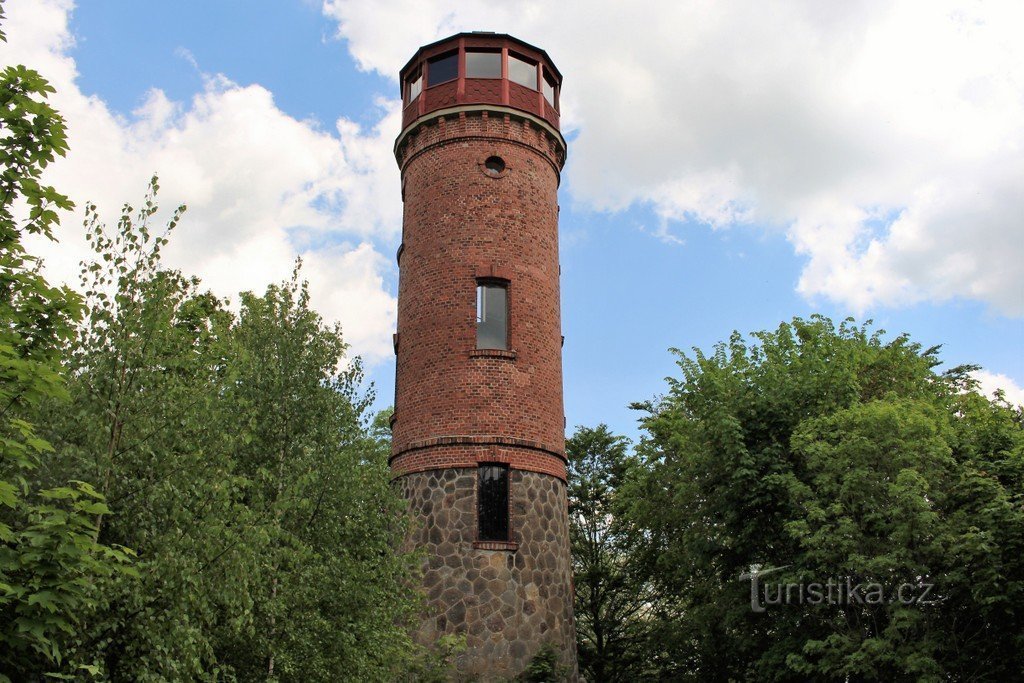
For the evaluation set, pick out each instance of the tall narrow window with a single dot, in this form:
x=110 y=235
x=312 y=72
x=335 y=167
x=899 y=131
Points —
x=483 y=64
x=442 y=69
x=492 y=503
x=522 y=72
x=415 y=86
x=491 y=316
x=549 y=89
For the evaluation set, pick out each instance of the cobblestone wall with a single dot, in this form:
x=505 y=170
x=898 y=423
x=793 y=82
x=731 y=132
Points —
x=507 y=602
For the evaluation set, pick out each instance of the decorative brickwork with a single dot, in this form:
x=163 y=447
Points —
x=480 y=162
x=506 y=602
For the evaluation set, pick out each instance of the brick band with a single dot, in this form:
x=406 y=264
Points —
x=481 y=440
x=467 y=454
x=454 y=112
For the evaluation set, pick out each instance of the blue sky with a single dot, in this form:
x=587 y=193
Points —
x=766 y=164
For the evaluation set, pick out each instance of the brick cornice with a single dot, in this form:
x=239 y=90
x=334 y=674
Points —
x=475 y=108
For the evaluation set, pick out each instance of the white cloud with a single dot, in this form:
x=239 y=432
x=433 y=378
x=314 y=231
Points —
x=886 y=139
x=260 y=186
x=990 y=382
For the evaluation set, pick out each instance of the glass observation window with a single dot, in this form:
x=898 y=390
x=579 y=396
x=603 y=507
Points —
x=442 y=69
x=492 y=503
x=549 y=88
x=522 y=72
x=415 y=87
x=483 y=64
x=491 y=316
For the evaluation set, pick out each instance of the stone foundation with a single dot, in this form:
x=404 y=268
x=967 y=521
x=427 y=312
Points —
x=507 y=602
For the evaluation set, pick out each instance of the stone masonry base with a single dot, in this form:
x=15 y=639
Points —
x=507 y=601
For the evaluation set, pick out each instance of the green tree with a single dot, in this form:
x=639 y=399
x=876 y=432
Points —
x=148 y=367
x=51 y=567
x=614 y=600
x=544 y=667
x=235 y=455
x=241 y=464
x=834 y=453
x=333 y=601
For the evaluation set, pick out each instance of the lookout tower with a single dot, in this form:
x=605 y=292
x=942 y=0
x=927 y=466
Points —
x=479 y=429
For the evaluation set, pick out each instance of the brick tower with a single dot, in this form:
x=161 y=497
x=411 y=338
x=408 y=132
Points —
x=479 y=430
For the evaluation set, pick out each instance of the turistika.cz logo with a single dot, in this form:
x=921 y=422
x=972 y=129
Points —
x=833 y=591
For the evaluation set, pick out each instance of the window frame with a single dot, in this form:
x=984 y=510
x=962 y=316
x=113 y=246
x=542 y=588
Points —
x=482 y=284
x=548 y=80
x=523 y=59
x=415 y=80
x=429 y=83
x=504 y=512
x=486 y=51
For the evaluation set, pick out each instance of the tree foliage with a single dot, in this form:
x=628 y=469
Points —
x=52 y=568
x=233 y=453
x=834 y=453
x=544 y=667
x=320 y=480
x=239 y=462
x=615 y=602
x=147 y=370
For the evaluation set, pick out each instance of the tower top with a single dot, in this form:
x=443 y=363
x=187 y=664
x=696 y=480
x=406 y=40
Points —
x=480 y=70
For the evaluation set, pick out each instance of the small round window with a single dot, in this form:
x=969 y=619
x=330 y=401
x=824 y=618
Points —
x=494 y=166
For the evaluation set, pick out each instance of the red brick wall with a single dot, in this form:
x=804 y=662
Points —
x=460 y=222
